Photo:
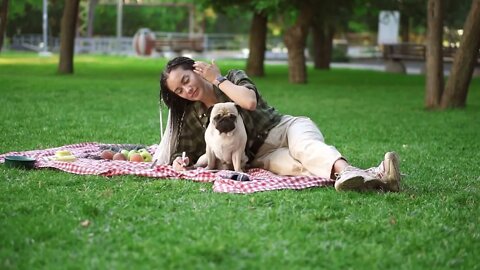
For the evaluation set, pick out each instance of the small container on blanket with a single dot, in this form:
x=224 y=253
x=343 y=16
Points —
x=237 y=176
x=21 y=162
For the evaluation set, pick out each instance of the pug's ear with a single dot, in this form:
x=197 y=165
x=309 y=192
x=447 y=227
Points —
x=238 y=107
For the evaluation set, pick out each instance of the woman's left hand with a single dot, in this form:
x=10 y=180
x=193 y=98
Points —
x=209 y=72
x=180 y=163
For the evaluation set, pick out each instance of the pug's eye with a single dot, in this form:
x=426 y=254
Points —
x=218 y=116
x=232 y=117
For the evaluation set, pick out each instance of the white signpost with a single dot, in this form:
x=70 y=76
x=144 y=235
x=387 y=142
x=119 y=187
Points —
x=388 y=27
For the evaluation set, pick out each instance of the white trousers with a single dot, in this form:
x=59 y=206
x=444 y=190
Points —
x=296 y=147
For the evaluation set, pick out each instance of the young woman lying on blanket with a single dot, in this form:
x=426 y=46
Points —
x=283 y=144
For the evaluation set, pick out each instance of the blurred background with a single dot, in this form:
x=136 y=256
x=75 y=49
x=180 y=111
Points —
x=222 y=29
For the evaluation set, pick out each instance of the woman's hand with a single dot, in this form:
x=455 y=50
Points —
x=209 y=72
x=181 y=163
x=242 y=96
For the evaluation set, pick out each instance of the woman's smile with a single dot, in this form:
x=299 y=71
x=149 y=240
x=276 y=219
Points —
x=193 y=93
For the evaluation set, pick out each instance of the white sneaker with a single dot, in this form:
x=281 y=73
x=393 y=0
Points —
x=385 y=177
x=352 y=178
x=388 y=172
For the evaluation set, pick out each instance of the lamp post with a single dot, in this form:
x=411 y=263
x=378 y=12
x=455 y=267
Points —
x=44 y=50
x=119 y=25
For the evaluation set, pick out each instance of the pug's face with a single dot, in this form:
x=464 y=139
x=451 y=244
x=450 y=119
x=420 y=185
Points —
x=224 y=116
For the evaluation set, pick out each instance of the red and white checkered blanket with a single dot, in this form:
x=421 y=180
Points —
x=260 y=180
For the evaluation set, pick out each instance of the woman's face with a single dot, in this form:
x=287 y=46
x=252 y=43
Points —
x=186 y=84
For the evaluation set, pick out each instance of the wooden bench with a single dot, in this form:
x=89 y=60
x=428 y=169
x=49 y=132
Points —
x=178 y=44
x=404 y=51
x=395 y=54
x=411 y=51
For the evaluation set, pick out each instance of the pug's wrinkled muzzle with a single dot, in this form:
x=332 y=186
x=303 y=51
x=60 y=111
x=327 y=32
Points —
x=225 y=124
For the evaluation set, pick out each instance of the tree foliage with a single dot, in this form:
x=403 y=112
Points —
x=365 y=16
x=25 y=17
x=157 y=18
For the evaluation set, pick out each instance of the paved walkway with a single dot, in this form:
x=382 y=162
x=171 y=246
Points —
x=378 y=64
x=413 y=67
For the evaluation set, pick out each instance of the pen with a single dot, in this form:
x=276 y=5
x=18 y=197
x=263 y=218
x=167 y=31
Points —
x=183 y=158
x=154 y=163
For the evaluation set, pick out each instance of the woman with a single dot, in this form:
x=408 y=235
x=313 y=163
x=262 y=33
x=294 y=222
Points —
x=283 y=144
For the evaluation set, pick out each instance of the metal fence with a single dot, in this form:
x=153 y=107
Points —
x=123 y=46
x=95 y=45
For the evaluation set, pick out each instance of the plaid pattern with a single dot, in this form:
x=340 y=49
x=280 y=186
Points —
x=261 y=180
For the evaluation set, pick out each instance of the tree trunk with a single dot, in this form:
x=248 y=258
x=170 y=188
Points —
x=456 y=91
x=322 y=35
x=434 y=56
x=405 y=28
x=295 y=39
x=67 y=36
x=258 y=39
x=91 y=16
x=3 y=21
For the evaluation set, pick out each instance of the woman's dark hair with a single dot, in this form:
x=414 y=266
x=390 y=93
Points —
x=174 y=102
x=171 y=99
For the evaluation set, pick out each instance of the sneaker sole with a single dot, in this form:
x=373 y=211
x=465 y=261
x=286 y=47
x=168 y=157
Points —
x=392 y=171
x=355 y=183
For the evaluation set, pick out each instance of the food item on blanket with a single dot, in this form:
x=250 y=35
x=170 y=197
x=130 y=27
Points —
x=119 y=156
x=131 y=153
x=68 y=158
x=107 y=154
x=136 y=157
x=61 y=153
x=146 y=155
x=125 y=153
x=64 y=155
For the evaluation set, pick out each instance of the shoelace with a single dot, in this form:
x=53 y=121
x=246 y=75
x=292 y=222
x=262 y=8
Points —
x=349 y=168
x=380 y=172
x=377 y=171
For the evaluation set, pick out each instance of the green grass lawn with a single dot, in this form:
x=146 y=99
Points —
x=144 y=223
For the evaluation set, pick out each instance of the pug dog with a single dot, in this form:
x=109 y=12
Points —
x=225 y=138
